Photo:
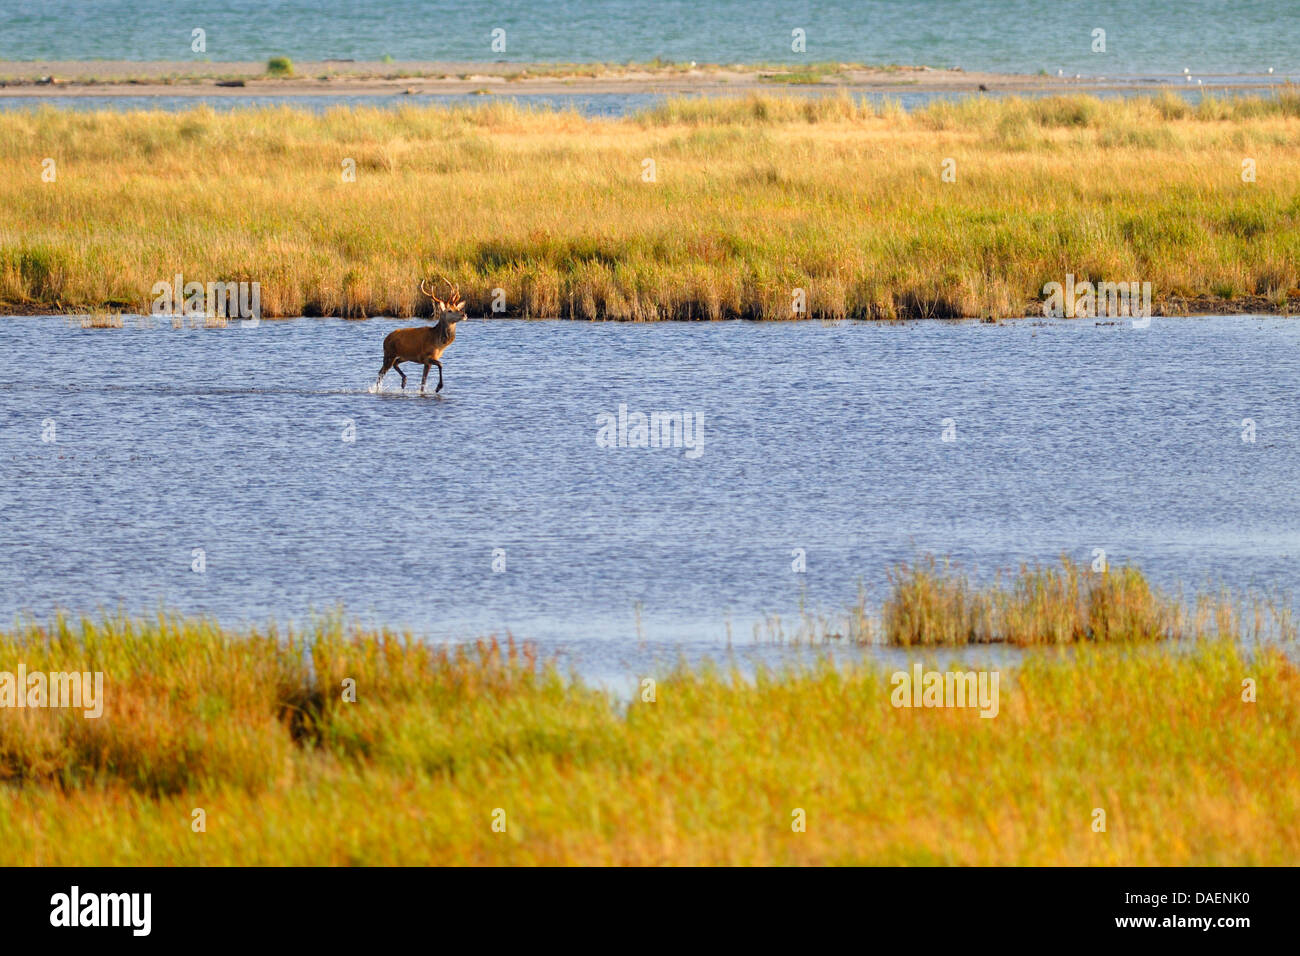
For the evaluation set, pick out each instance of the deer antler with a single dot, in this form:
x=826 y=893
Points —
x=454 y=300
x=430 y=294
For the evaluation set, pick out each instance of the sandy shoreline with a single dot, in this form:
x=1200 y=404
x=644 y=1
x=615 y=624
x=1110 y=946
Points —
x=109 y=78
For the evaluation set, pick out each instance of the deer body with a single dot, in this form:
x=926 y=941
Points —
x=424 y=344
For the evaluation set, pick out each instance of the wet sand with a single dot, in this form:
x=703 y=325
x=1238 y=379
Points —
x=180 y=78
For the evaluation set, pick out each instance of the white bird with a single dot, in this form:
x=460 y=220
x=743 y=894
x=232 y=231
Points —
x=1270 y=69
x=1186 y=70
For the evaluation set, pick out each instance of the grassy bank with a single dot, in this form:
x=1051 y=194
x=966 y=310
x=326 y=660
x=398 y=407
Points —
x=253 y=730
x=753 y=199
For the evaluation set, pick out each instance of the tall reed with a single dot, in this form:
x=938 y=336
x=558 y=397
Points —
x=751 y=198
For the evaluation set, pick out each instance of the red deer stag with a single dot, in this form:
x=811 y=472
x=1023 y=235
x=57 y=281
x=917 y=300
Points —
x=424 y=344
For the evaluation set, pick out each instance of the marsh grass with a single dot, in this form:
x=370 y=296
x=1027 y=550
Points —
x=933 y=604
x=251 y=728
x=195 y=705
x=755 y=196
x=811 y=73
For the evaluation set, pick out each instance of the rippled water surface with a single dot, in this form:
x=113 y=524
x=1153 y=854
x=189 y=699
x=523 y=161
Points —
x=1152 y=36
x=1069 y=436
x=603 y=105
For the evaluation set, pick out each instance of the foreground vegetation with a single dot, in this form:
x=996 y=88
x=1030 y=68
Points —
x=752 y=198
x=253 y=729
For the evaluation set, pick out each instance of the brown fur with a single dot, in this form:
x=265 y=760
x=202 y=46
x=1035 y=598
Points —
x=424 y=344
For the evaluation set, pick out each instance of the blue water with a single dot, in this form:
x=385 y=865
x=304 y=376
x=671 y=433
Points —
x=594 y=105
x=1019 y=36
x=1069 y=436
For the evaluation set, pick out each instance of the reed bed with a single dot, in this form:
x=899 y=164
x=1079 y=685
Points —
x=930 y=603
x=254 y=729
x=752 y=198
x=933 y=604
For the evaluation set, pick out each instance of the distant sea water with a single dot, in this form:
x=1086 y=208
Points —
x=1142 y=37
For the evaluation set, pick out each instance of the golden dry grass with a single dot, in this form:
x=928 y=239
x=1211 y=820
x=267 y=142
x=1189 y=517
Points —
x=753 y=198
x=930 y=604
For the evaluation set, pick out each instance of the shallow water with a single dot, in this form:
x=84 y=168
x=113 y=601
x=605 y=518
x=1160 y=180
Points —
x=594 y=105
x=603 y=105
x=1069 y=436
x=1154 y=36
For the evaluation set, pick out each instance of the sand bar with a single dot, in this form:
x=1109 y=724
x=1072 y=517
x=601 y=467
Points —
x=186 y=78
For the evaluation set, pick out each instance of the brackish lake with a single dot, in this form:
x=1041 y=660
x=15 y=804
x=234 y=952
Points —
x=126 y=452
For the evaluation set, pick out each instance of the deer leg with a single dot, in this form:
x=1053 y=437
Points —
x=425 y=378
x=397 y=367
x=383 y=371
x=426 y=372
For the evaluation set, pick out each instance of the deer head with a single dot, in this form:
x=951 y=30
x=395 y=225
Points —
x=453 y=309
